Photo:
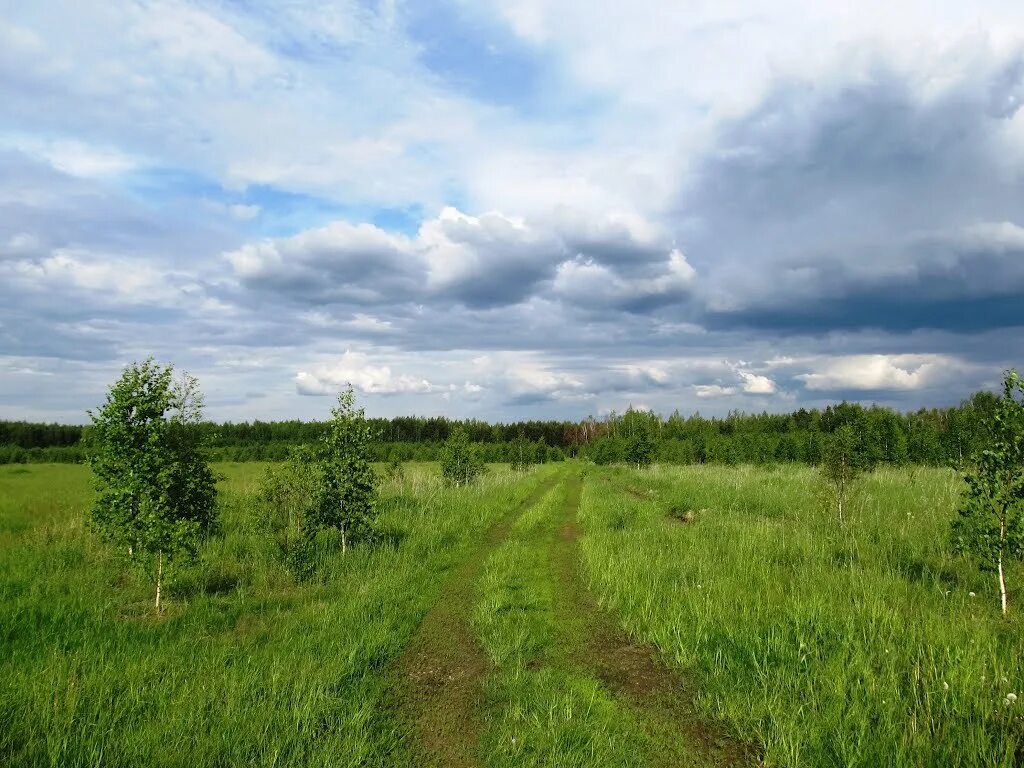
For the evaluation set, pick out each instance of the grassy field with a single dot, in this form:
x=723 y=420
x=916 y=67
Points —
x=862 y=646
x=246 y=668
x=563 y=617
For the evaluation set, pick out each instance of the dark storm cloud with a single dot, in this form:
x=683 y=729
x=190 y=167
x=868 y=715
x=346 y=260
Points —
x=475 y=263
x=868 y=205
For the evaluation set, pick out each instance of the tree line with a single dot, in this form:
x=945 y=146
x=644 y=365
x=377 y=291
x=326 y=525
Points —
x=936 y=436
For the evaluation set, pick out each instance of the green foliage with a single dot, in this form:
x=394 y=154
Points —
x=606 y=450
x=843 y=461
x=990 y=522
x=155 y=491
x=932 y=437
x=286 y=496
x=395 y=469
x=345 y=490
x=523 y=454
x=639 y=428
x=460 y=462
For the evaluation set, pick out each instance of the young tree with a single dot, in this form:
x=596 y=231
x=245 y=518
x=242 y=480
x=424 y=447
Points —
x=841 y=465
x=990 y=522
x=638 y=427
x=395 y=470
x=155 y=492
x=523 y=453
x=286 y=496
x=639 y=449
x=460 y=462
x=346 y=489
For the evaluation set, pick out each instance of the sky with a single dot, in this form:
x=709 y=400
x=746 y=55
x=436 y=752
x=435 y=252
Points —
x=511 y=210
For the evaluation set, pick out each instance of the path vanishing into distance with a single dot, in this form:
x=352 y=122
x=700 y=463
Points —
x=518 y=664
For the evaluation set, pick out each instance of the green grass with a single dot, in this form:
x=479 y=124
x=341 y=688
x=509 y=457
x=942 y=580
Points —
x=246 y=667
x=827 y=646
x=542 y=711
x=830 y=647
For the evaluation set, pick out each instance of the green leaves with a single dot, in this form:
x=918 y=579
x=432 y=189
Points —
x=843 y=460
x=990 y=521
x=523 y=453
x=460 y=463
x=324 y=487
x=346 y=487
x=155 y=492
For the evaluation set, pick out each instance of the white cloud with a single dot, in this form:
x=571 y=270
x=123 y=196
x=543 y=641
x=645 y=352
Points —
x=194 y=43
x=76 y=158
x=106 y=280
x=486 y=260
x=754 y=384
x=588 y=283
x=713 y=390
x=355 y=368
x=879 y=372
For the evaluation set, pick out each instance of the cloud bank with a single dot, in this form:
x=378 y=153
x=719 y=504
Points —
x=525 y=209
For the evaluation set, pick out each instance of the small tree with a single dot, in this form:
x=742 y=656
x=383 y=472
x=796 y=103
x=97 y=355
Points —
x=155 y=492
x=990 y=522
x=523 y=453
x=841 y=465
x=286 y=496
x=638 y=427
x=346 y=487
x=395 y=469
x=460 y=463
x=639 y=449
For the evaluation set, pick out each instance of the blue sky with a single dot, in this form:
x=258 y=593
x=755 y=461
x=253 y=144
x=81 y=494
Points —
x=511 y=210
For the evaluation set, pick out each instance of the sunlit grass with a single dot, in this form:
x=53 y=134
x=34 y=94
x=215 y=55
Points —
x=246 y=667
x=854 y=646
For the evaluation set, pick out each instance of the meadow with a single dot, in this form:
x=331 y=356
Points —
x=862 y=645
x=246 y=667
x=571 y=615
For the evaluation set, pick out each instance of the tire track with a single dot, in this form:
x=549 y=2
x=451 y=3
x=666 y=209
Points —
x=443 y=667
x=631 y=670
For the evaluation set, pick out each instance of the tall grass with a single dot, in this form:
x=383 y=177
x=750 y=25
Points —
x=246 y=667
x=863 y=645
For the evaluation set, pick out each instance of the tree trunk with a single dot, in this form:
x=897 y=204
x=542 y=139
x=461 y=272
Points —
x=1002 y=575
x=344 y=542
x=1002 y=584
x=159 y=576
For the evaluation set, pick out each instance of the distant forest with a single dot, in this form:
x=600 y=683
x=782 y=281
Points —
x=936 y=436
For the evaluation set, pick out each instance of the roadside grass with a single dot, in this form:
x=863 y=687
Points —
x=246 y=667
x=829 y=646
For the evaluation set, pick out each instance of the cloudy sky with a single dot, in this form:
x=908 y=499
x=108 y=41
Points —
x=515 y=209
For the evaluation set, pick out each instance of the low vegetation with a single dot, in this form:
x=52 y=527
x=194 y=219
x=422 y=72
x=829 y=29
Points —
x=863 y=645
x=246 y=666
